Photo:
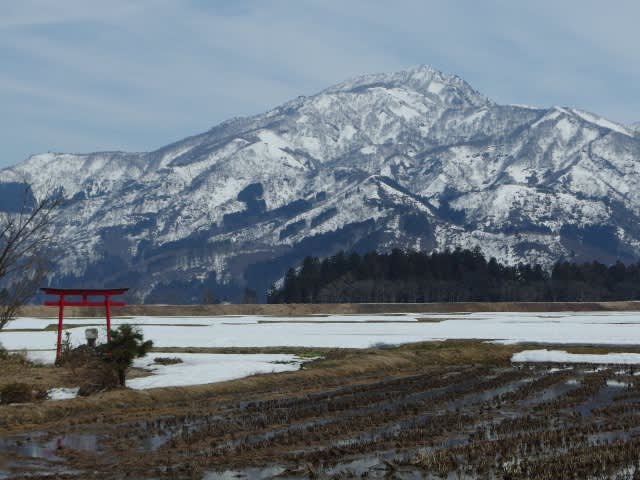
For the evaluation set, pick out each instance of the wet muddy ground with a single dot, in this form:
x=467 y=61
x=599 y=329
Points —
x=449 y=421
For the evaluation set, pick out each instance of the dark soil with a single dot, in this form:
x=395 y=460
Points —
x=447 y=410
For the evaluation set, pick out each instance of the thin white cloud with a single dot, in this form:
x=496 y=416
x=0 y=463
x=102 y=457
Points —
x=29 y=13
x=179 y=67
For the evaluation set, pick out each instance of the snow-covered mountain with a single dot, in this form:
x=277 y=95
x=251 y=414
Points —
x=414 y=159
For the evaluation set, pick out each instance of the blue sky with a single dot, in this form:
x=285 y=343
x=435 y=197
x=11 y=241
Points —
x=83 y=75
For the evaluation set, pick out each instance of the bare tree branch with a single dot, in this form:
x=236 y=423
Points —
x=25 y=243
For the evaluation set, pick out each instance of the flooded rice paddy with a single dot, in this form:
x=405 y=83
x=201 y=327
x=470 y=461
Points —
x=454 y=422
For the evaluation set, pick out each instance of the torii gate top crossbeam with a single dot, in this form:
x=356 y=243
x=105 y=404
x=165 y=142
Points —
x=84 y=291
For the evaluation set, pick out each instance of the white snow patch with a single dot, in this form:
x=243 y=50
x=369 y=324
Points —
x=566 y=129
x=435 y=87
x=62 y=393
x=200 y=368
x=561 y=356
x=44 y=357
x=523 y=105
x=274 y=140
x=29 y=323
x=347 y=132
x=557 y=369
x=617 y=383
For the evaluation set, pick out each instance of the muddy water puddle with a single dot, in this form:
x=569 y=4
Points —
x=247 y=474
x=551 y=393
x=603 y=398
x=46 y=446
x=42 y=454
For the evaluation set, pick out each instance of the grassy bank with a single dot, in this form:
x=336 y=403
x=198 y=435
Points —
x=301 y=309
x=338 y=367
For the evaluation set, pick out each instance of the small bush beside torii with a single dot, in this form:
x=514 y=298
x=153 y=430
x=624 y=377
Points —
x=105 y=366
x=126 y=344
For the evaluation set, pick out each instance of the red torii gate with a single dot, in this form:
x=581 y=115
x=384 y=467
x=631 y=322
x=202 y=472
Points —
x=85 y=293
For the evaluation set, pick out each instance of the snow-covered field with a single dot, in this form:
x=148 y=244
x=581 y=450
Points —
x=353 y=331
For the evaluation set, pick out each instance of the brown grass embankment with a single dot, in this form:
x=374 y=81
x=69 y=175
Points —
x=301 y=309
x=339 y=367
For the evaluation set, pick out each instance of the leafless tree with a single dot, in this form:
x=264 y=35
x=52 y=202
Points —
x=25 y=242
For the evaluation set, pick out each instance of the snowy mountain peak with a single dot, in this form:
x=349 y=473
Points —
x=423 y=79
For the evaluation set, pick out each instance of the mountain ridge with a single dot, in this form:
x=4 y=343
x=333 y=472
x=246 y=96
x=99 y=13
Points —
x=415 y=159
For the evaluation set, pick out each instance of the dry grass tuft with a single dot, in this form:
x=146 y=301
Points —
x=16 y=392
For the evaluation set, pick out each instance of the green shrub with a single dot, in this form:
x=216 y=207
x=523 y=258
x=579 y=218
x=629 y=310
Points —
x=126 y=344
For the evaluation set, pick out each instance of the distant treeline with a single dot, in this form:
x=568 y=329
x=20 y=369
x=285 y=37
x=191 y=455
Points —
x=450 y=276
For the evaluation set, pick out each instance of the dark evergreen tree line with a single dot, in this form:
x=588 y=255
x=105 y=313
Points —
x=450 y=276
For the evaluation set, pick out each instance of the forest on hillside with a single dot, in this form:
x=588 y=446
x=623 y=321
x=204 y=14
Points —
x=450 y=276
